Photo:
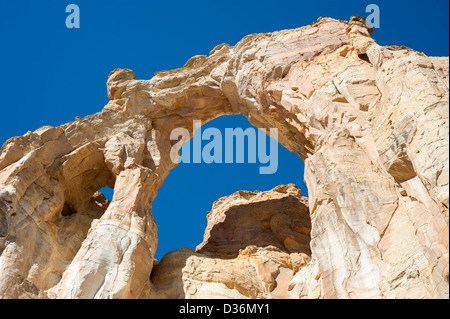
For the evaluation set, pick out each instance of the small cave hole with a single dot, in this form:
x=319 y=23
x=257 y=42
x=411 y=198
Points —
x=68 y=210
x=364 y=57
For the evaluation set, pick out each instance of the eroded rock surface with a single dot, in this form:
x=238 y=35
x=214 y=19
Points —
x=254 y=244
x=370 y=122
x=279 y=218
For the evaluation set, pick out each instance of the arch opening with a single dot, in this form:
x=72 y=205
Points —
x=186 y=196
x=108 y=192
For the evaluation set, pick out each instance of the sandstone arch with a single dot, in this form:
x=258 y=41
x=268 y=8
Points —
x=370 y=122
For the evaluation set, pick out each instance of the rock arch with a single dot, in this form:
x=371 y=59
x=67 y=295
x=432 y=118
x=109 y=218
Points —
x=370 y=122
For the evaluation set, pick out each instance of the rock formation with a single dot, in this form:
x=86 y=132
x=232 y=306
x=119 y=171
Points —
x=370 y=122
x=254 y=244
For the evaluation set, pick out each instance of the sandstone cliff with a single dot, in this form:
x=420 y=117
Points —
x=370 y=122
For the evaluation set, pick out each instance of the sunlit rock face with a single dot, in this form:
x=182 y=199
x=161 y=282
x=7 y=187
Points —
x=370 y=122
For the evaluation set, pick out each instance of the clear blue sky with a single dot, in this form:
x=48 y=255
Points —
x=50 y=74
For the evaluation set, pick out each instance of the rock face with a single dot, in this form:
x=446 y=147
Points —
x=254 y=244
x=370 y=122
x=279 y=218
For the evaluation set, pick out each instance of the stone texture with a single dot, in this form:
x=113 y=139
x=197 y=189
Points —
x=254 y=244
x=279 y=218
x=370 y=122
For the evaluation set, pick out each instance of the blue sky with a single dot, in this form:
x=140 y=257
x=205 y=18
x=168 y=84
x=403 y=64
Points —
x=51 y=74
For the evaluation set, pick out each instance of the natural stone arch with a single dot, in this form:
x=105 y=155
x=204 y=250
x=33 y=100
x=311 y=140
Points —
x=327 y=88
x=184 y=201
